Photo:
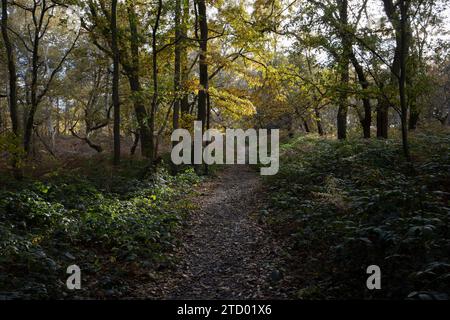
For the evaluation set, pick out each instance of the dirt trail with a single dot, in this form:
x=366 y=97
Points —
x=226 y=253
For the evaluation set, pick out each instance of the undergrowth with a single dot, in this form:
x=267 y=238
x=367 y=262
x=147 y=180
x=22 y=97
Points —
x=347 y=205
x=112 y=228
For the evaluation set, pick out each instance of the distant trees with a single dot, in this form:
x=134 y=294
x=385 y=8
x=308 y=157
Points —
x=386 y=49
x=91 y=110
x=42 y=74
x=330 y=67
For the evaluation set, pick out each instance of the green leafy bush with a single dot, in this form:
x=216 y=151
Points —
x=47 y=225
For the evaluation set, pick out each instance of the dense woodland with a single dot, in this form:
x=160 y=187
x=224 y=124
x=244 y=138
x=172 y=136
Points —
x=91 y=91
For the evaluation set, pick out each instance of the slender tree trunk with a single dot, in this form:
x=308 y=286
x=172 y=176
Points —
x=367 y=120
x=135 y=143
x=382 y=118
x=145 y=133
x=344 y=70
x=146 y=137
x=58 y=118
x=395 y=19
x=208 y=123
x=414 y=115
x=115 y=83
x=305 y=124
x=202 y=25
x=184 y=106
x=398 y=16
x=12 y=73
x=177 y=73
x=404 y=51
x=12 y=95
x=318 y=122
x=154 y=107
x=414 y=110
x=177 y=69
x=1 y=115
x=33 y=92
x=203 y=66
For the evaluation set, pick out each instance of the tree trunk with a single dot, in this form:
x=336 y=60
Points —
x=115 y=83
x=58 y=118
x=203 y=66
x=177 y=74
x=398 y=16
x=413 y=118
x=203 y=69
x=12 y=74
x=177 y=68
x=367 y=120
x=154 y=107
x=33 y=92
x=404 y=51
x=319 y=122
x=145 y=133
x=184 y=106
x=382 y=118
x=1 y=115
x=208 y=123
x=305 y=124
x=135 y=143
x=343 y=66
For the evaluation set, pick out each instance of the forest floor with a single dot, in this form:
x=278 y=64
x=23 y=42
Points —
x=225 y=252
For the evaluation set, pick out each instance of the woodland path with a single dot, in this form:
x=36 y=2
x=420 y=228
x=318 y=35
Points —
x=225 y=252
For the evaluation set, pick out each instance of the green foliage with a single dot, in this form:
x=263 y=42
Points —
x=11 y=144
x=46 y=226
x=347 y=205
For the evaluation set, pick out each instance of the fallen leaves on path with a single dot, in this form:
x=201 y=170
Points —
x=225 y=252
